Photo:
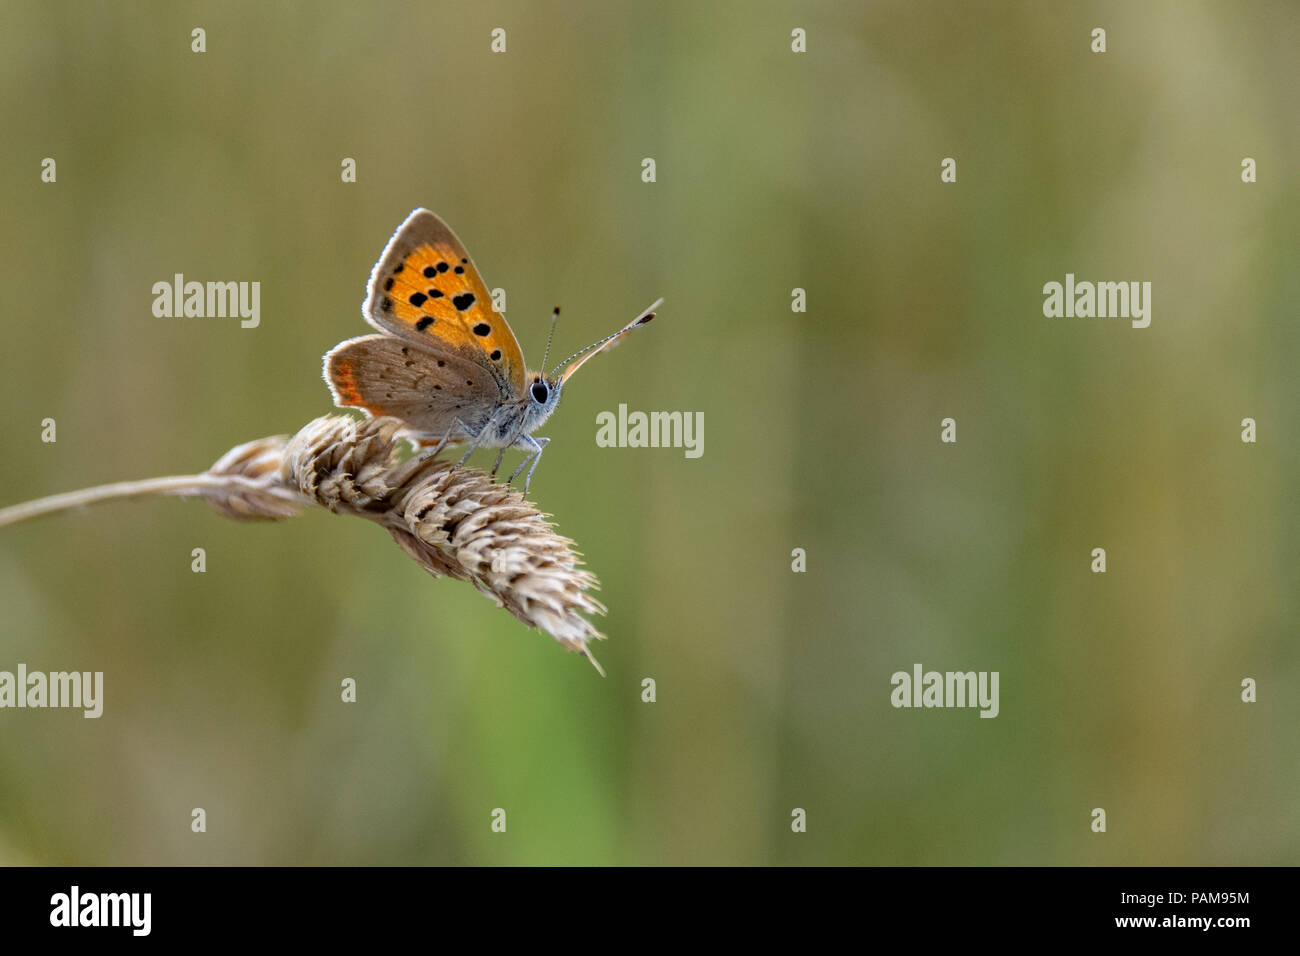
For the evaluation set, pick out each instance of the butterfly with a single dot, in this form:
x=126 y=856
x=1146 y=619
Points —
x=446 y=362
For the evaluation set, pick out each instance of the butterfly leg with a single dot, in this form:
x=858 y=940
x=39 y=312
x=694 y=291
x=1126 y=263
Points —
x=473 y=446
x=537 y=445
x=501 y=454
x=442 y=442
x=483 y=432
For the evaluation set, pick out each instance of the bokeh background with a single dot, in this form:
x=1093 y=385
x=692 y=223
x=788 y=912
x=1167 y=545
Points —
x=775 y=170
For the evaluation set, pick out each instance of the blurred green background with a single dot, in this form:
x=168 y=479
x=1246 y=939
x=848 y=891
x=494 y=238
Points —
x=775 y=170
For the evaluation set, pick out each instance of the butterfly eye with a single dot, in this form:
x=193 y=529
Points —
x=540 y=394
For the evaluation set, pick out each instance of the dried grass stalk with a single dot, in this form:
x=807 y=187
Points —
x=261 y=495
x=453 y=521
x=457 y=522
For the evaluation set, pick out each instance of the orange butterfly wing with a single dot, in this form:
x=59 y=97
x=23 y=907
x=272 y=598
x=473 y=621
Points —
x=426 y=290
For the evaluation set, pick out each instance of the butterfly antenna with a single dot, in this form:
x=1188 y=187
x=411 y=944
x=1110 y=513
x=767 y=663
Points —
x=641 y=319
x=555 y=317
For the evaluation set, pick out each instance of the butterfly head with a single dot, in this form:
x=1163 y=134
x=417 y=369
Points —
x=543 y=394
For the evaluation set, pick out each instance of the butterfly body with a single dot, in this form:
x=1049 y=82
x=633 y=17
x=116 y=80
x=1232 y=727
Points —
x=445 y=361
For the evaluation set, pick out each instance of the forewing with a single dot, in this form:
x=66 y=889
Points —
x=426 y=290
